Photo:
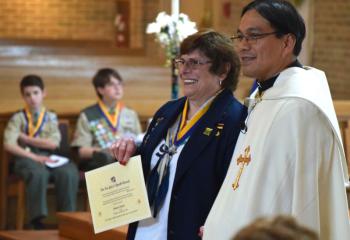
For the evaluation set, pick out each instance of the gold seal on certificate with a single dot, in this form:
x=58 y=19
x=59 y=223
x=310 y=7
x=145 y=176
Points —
x=117 y=195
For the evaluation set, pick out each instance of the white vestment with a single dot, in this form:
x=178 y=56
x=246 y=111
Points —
x=296 y=163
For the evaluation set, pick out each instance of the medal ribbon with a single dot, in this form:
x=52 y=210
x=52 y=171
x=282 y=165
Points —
x=185 y=129
x=111 y=119
x=32 y=130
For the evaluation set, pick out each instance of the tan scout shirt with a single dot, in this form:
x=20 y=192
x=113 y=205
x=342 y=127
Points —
x=17 y=124
x=85 y=137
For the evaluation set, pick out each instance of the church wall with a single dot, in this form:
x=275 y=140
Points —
x=328 y=26
x=331 y=49
x=87 y=20
x=57 y=19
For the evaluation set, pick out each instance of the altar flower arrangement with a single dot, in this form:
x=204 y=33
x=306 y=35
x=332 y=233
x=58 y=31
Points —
x=170 y=31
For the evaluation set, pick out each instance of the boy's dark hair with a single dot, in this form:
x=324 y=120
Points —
x=31 y=80
x=283 y=17
x=103 y=76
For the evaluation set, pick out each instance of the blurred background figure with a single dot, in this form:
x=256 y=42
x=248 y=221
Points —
x=32 y=136
x=275 y=228
x=99 y=125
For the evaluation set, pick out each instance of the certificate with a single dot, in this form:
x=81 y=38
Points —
x=117 y=195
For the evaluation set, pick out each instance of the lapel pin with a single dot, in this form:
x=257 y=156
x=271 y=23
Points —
x=207 y=131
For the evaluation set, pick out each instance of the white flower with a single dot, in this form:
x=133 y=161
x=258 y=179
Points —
x=153 y=28
x=171 y=30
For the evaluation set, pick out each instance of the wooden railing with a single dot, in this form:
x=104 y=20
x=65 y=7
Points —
x=342 y=109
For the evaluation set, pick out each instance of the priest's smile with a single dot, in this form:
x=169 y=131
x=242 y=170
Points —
x=245 y=60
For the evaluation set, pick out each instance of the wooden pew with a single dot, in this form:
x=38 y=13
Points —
x=13 y=186
x=342 y=110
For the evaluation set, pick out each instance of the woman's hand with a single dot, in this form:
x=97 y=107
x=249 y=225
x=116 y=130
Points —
x=200 y=232
x=123 y=149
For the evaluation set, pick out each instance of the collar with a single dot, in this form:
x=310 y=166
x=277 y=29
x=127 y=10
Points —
x=264 y=85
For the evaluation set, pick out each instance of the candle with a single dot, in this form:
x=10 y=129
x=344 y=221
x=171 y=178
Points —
x=175 y=7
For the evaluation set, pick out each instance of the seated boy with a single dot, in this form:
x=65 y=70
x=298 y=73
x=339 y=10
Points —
x=101 y=124
x=31 y=136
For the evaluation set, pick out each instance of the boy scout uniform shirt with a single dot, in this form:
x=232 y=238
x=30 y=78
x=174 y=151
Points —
x=17 y=124
x=93 y=129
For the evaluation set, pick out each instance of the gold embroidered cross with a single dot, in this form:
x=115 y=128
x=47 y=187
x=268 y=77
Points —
x=242 y=161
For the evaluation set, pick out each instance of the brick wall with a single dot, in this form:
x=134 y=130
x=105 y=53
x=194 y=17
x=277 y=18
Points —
x=331 y=51
x=58 y=19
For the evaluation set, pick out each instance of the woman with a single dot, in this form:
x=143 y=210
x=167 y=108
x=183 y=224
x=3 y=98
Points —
x=190 y=141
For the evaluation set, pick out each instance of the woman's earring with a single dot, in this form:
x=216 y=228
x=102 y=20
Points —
x=220 y=82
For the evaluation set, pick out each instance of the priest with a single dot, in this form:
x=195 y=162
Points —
x=289 y=157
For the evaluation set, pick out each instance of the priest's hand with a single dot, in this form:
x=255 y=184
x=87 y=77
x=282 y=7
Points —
x=123 y=149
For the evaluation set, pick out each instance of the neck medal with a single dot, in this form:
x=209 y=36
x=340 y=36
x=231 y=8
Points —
x=186 y=128
x=33 y=129
x=111 y=118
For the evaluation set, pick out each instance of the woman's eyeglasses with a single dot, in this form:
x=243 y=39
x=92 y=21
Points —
x=190 y=63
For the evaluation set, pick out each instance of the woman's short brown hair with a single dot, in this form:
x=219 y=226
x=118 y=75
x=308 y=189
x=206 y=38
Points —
x=218 y=48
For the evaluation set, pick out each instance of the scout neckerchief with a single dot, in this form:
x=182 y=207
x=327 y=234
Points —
x=111 y=118
x=33 y=129
x=178 y=134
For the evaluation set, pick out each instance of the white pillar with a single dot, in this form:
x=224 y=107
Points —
x=175 y=7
